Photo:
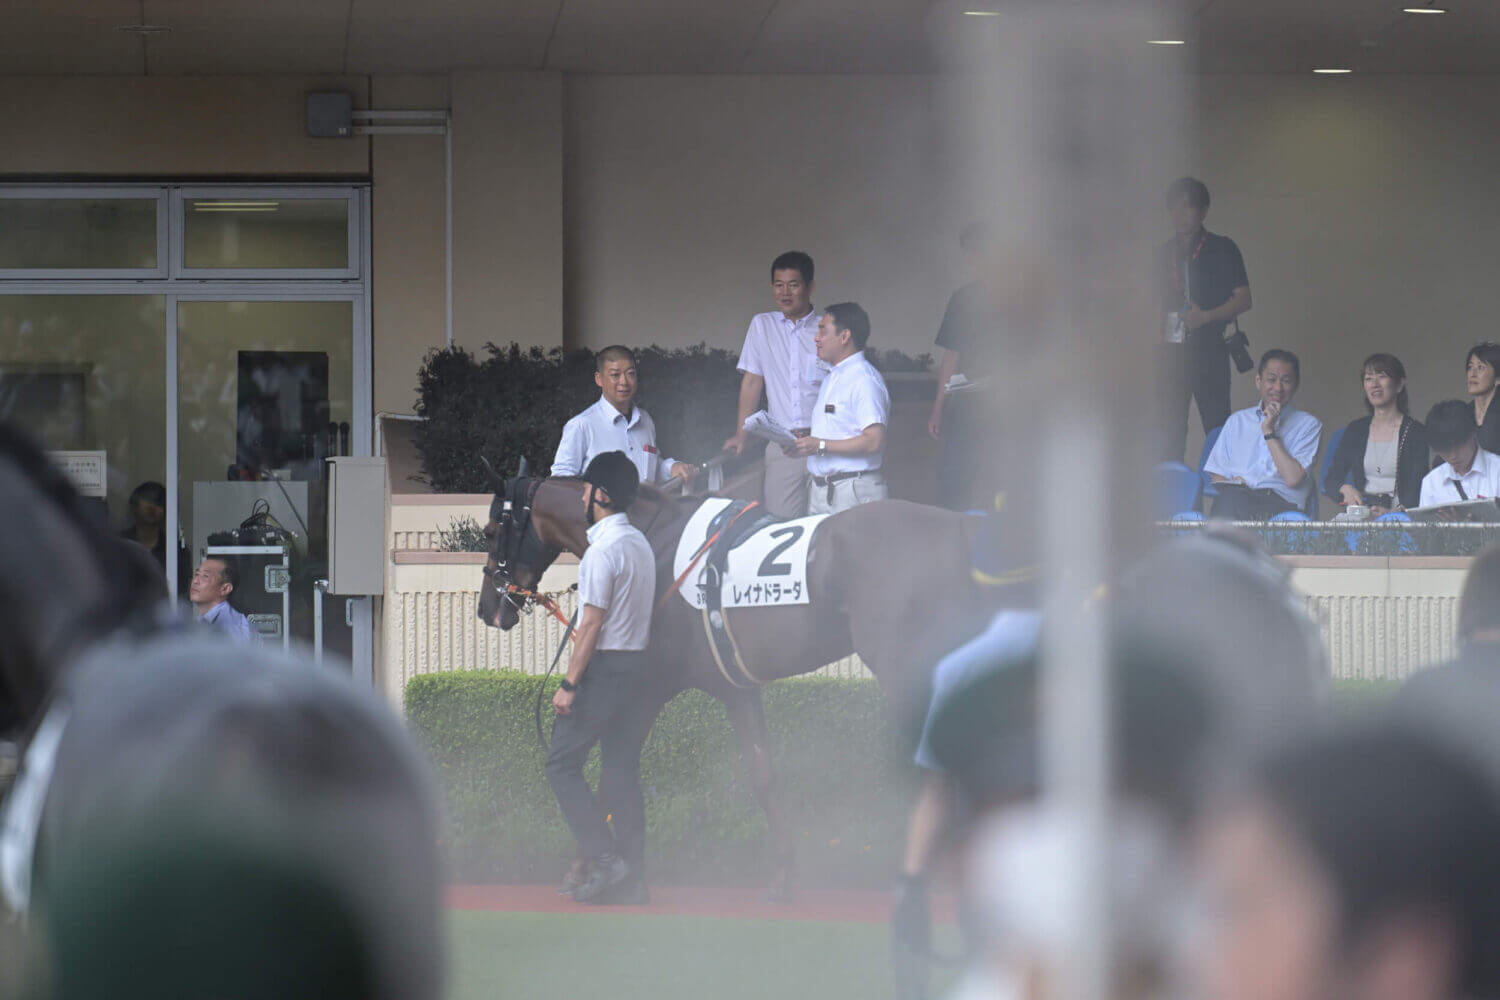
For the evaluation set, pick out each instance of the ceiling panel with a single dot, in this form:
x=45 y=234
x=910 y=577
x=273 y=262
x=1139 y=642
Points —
x=210 y=37
x=399 y=36
x=655 y=36
x=75 y=37
x=843 y=36
x=69 y=36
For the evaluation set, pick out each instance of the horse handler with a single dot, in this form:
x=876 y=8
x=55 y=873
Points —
x=596 y=703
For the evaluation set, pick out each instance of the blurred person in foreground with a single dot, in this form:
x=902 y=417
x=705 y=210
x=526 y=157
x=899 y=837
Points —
x=1467 y=472
x=214 y=582
x=1212 y=657
x=1203 y=286
x=1478 y=633
x=780 y=359
x=1381 y=459
x=1262 y=460
x=268 y=831
x=1358 y=865
x=846 y=445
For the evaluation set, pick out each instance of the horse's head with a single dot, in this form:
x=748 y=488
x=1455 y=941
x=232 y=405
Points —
x=517 y=554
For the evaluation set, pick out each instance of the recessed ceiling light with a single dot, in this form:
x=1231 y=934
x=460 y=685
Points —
x=1333 y=72
x=1165 y=41
x=1423 y=10
x=981 y=13
x=144 y=29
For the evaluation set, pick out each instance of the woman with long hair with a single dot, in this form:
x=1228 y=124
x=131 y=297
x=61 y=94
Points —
x=1382 y=457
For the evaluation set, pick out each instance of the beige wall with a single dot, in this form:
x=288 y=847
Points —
x=640 y=209
x=681 y=190
x=406 y=236
x=507 y=208
x=133 y=127
x=1366 y=211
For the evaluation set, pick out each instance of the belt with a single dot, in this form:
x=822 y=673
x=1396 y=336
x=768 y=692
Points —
x=838 y=477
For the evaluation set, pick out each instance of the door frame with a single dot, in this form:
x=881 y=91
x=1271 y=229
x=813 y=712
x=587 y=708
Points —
x=176 y=288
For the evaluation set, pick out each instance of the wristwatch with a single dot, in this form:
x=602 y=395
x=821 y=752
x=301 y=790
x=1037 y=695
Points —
x=567 y=685
x=822 y=446
x=1271 y=436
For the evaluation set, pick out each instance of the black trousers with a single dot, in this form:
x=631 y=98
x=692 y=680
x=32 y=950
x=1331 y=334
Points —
x=974 y=450
x=1236 y=503
x=1198 y=368
x=610 y=710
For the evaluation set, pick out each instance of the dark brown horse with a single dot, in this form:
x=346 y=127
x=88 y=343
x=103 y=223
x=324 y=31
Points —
x=889 y=581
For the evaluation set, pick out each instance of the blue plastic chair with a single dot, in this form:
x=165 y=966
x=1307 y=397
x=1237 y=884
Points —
x=1291 y=515
x=1177 y=489
x=1188 y=515
x=1334 y=440
x=1209 y=440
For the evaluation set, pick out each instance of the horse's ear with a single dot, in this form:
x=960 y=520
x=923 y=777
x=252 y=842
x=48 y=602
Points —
x=522 y=468
x=497 y=484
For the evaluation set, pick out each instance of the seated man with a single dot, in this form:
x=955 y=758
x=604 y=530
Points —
x=1261 y=460
x=213 y=582
x=845 y=450
x=615 y=423
x=1468 y=471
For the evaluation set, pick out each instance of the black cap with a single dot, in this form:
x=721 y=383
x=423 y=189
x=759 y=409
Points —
x=616 y=475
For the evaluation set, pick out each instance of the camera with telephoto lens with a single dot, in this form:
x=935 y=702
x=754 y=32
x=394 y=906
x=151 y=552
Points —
x=1239 y=349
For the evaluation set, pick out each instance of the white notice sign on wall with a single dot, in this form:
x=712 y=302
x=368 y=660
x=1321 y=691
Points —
x=86 y=470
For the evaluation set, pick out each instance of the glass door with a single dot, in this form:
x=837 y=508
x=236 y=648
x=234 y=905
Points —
x=265 y=394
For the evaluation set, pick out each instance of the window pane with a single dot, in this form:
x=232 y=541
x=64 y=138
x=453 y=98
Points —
x=88 y=373
x=71 y=233
x=266 y=232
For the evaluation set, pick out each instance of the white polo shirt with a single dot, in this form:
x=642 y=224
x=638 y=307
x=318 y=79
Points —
x=603 y=428
x=1243 y=451
x=1481 y=483
x=853 y=397
x=782 y=352
x=617 y=574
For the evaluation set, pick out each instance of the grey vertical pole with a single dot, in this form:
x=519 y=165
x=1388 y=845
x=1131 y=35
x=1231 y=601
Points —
x=1069 y=134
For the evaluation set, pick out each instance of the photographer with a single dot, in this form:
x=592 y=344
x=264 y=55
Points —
x=1203 y=287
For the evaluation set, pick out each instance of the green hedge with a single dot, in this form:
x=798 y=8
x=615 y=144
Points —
x=512 y=402
x=845 y=781
x=843 y=778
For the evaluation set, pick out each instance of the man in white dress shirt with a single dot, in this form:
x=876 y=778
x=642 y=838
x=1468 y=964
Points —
x=780 y=358
x=846 y=447
x=1263 y=454
x=615 y=423
x=1468 y=471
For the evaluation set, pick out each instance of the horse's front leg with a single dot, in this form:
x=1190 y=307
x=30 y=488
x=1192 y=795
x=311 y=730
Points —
x=748 y=716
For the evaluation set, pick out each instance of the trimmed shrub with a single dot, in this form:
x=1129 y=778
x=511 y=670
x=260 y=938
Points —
x=844 y=781
x=513 y=402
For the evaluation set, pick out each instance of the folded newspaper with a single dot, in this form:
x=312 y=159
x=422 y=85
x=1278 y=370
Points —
x=1458 y=510
x=761 y=425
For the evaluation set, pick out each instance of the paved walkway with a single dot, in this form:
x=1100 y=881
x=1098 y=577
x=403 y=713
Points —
x=822 y=905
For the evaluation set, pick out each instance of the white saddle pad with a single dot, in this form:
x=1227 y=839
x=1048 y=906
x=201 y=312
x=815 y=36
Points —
x=768 y=569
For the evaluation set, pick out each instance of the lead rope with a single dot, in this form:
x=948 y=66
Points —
x=541 y=687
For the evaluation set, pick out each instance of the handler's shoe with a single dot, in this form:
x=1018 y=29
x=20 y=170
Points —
x=574 y=877
x=630 y=892
x=605 y=873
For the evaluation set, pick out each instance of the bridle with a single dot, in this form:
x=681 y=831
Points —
x=517 y=540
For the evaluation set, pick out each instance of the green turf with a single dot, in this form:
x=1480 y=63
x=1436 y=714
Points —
x=536 y=956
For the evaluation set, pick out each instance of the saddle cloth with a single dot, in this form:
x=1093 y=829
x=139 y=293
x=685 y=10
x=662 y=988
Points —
x=766 y=568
